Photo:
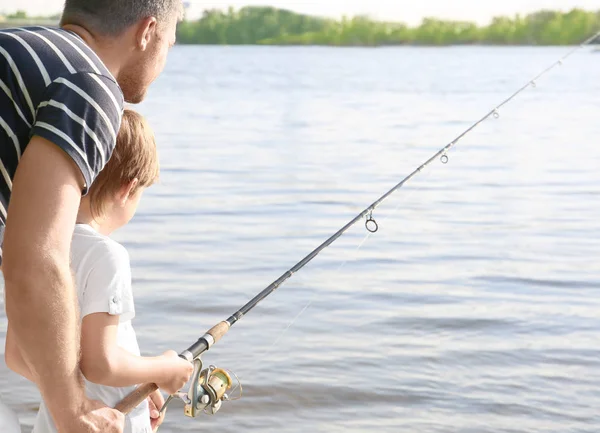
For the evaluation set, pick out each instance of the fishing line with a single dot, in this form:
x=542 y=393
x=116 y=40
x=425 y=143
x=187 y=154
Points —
x=258 y=359
x=209 y=385
x=442 y=154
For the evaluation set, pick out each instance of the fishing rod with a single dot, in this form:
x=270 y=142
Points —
x=209 y=386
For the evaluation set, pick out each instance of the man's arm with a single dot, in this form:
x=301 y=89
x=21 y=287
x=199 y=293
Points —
x=13 y=358
x=41 y=302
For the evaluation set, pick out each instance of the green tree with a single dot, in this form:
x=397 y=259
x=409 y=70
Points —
x=269 y=25
x=18 y=15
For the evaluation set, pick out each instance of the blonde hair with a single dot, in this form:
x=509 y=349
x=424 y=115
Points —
x=134 y=156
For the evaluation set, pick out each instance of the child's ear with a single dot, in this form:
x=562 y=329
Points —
x=127 y=190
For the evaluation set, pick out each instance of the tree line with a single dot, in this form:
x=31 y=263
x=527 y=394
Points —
x=273 y=26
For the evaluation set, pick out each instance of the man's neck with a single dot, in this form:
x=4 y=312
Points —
x=103 y=48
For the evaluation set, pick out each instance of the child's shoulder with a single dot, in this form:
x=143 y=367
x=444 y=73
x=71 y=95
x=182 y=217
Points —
x=89 y=246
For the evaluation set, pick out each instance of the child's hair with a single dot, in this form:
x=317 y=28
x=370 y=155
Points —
x=134 y=156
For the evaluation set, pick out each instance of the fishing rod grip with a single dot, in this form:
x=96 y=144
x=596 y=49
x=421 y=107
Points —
x=205 y=342
x=143 y=391
x=135 y=398
x=217 y=331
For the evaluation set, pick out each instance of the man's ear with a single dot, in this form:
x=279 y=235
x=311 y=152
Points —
x=127 y=190
x=146 y=30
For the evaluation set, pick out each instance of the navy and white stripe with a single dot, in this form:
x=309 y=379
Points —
x=54 y=86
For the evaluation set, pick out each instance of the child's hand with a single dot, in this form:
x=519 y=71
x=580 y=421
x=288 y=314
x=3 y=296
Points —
x=176 y=374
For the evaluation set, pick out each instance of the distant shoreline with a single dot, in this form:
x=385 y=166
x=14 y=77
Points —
x=269 y=26
x=14 y=24
x=593 y=47
x=280 y=27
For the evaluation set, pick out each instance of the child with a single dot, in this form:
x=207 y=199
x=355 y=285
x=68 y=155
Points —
x=110 y=356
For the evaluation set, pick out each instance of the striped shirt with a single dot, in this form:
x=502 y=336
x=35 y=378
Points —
x=53 y=85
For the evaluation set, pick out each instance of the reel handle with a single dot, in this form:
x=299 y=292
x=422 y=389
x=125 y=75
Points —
x=135 y=398
x=143 y=391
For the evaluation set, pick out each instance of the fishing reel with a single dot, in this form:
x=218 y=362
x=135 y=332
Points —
x=207 y=391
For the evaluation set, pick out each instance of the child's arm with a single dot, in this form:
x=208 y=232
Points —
x=13 y=358
x=105 y=363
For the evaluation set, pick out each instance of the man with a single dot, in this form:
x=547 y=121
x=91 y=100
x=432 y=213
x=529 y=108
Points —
x=61 y=102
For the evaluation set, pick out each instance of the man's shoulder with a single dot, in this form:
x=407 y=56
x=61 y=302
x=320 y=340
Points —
x=57 y=52
x=90 y=88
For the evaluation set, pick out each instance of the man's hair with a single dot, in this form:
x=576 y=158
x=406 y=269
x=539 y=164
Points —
x=134 y=156
x=113 y=17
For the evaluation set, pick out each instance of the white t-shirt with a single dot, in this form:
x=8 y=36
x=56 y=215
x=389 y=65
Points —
x=103 y=281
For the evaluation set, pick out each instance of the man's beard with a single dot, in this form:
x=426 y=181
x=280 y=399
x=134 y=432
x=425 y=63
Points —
x=133 y=89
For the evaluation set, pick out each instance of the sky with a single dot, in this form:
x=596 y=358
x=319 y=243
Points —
x=408 y=11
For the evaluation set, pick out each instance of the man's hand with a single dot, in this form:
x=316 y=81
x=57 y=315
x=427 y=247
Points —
x=156 y=402
x=95 y=417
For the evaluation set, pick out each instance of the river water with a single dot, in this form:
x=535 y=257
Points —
x=475 y=306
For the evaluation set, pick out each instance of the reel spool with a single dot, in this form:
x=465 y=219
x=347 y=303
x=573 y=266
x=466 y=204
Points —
x=207 y=391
